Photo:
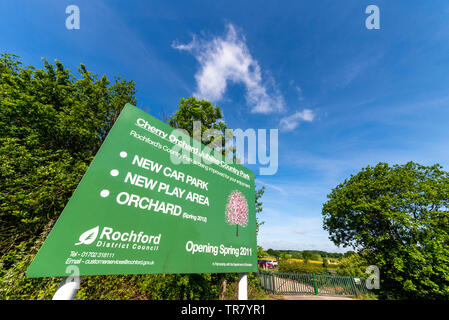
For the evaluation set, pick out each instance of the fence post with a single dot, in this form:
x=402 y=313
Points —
x=354 y=286
x=314 y=284
x=273 y=283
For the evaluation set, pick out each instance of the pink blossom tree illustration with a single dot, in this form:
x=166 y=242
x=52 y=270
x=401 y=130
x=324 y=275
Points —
x=237 y=210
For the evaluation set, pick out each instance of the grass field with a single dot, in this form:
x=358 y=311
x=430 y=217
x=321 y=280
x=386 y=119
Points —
x=299 y=260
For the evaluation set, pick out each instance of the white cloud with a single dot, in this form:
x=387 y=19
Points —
x=348 y=72
x=291 y=122
x=227 y=59
x=277 y=188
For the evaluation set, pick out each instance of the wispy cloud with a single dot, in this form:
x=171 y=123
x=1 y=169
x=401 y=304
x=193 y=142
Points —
x=272 y=186
x=227 y=59
x=291 y=122
x=299 y=91
x=348 y=72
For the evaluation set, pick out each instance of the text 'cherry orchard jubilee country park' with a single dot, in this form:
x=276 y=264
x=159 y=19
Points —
x=154 y=201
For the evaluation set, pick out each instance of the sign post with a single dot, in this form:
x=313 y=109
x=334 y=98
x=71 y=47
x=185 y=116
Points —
x=243 y=286
x=154 y=201
x=67 y=289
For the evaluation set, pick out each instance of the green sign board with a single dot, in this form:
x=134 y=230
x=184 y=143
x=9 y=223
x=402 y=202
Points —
x=154 y=201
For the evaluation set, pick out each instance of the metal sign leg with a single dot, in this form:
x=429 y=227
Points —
x=67 y=289
x=243 y=286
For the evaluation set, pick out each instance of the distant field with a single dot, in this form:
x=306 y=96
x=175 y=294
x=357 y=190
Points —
x=298 y=260
x=311 y=261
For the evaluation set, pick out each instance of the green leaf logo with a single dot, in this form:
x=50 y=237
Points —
x=89 y=236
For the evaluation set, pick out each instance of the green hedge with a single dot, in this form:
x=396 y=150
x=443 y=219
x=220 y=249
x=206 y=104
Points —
x=300 y=267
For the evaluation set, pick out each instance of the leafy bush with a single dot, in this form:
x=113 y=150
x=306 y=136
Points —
x=399 y=216
x=255 y=291
x=153 y=287
x=353 y=265
x=285 y=266
x=51 y=126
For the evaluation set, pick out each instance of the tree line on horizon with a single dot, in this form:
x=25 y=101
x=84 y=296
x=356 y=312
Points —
x=316 y=255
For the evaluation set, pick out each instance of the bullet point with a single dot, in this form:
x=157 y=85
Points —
x=123 y=154
x=104 y=193
x=114 y=172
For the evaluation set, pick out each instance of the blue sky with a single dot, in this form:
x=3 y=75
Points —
x=342 y=96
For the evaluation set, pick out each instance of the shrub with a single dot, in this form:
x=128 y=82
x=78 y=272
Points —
x=285 y=266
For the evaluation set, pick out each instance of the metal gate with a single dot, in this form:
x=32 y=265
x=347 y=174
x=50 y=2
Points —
x=310 y=283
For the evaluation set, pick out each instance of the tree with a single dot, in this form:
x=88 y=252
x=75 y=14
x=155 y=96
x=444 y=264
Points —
x=51 y=126
x=192 y=112
x=353 y=265
x=399 y=216
x=348 y=253
x=52 y=123
x=306 y=255
x=259 y=206
x=274 y=253
x=261 y=253
x=193 y=109
x=297 y=255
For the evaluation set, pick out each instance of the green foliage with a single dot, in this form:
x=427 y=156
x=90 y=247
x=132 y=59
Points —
x=274 y=253
x=369 y=296
x=259 y=206
x=313 y=254
x=306 y=256
x=299 y=267
x=153 y=287
x=353 y=265
x=297 y=255
x=261 y=253
x=208 y=117
x=51 y=126
x=348 y=253
x=255 y=291
x=14 y=285
x=285 y=256
x=399 y=216
x=165 y=287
